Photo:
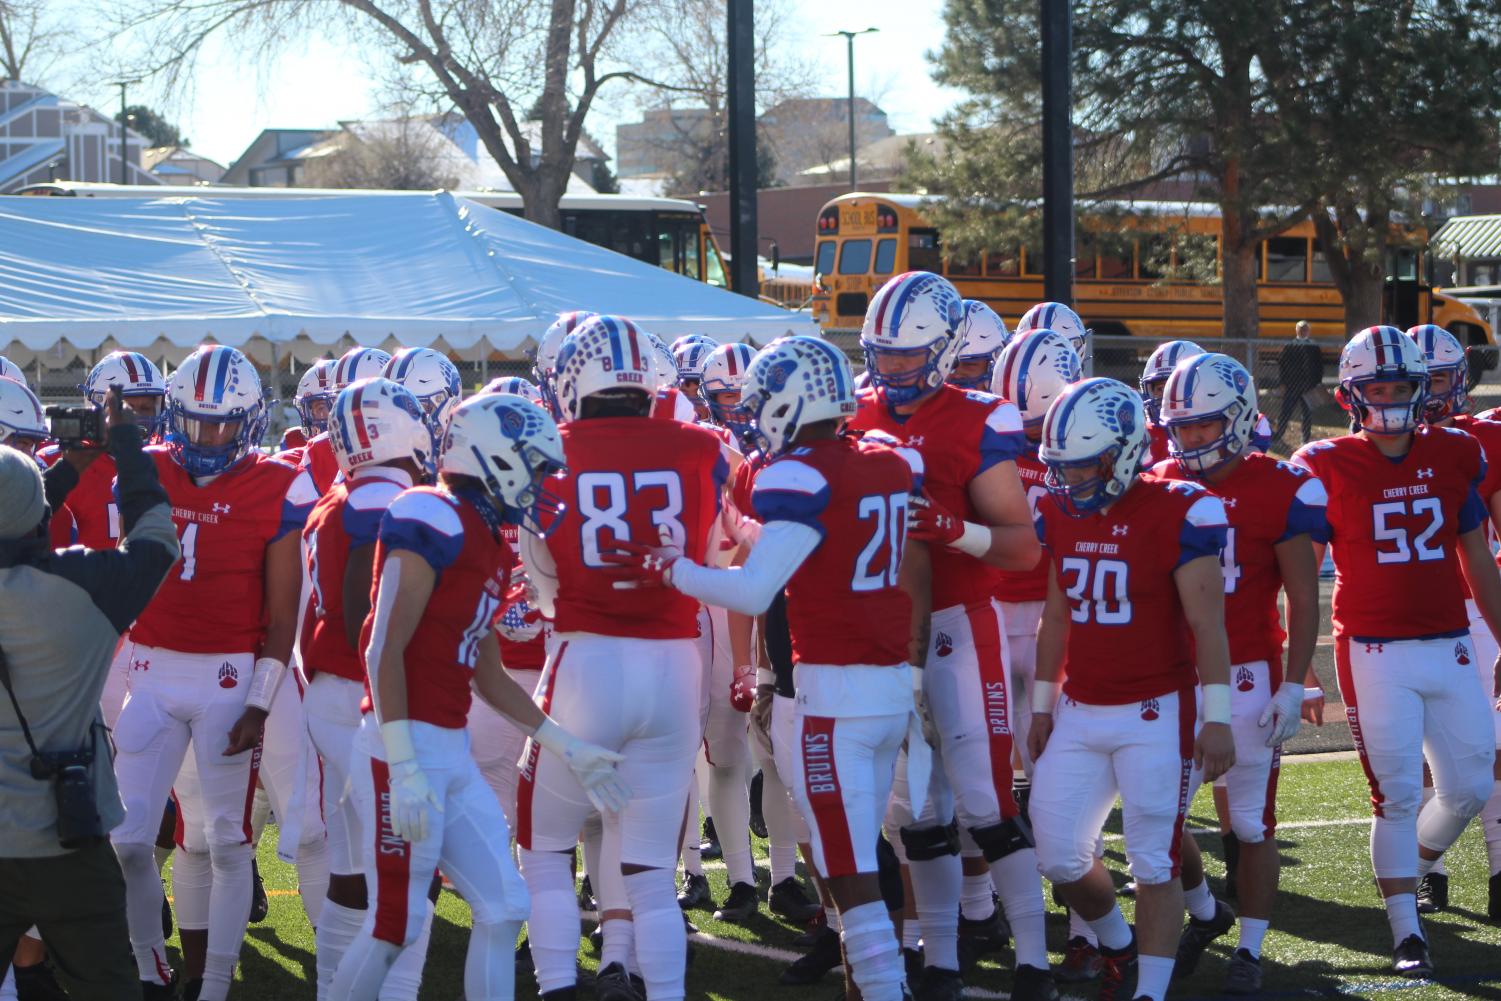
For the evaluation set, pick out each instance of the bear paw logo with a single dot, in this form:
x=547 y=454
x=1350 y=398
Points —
x=1461 y=654
x=945 y=644
x=1149 y=709
x=228 y=676
x=1244 y=679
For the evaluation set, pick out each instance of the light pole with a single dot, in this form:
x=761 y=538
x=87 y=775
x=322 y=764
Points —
x=122 y=84
x=849 y=38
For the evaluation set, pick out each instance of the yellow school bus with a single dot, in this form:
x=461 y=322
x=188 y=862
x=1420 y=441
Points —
x=1121 y=277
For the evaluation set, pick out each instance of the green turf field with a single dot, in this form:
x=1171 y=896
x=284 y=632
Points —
x=1329 y=936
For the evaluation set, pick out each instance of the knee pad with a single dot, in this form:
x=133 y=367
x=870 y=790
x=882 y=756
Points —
x=922 y=844
x=889 y=875
x=1400 y=798
x=999 y=840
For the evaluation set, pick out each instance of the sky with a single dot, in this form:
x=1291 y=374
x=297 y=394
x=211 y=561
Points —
x=320 y=82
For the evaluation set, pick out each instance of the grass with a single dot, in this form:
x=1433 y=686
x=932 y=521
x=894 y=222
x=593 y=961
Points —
x=1329 y=936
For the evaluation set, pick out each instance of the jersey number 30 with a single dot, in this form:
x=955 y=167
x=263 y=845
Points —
x=1097 y=591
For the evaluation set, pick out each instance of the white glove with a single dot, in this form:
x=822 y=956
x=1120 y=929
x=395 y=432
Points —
x=1283 y=713
x=592 y=765
x=411 y=796
x=920 y=706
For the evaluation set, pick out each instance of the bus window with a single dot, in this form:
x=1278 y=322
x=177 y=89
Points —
x=1287 y=259
x=623 y=232
x=1319 y=267
x=1084 y=260
x=1153 y=257
x=969 y=268
x=1032 y=261
x=854 y=257
x=713 y=264
x=1402 y=264
x=1002 y=265
x=824 y=264
x=677 y=244
x=885 y=256
x=1115 y=267
x=922 y=250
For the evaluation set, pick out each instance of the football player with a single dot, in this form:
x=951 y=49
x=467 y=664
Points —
x=430 y=377
x=383 y=446
x=315 y=394
x=969 y=443
x=441 y=573
x=1276 y=512
x=516 y=386
x=1136 y=571
x=626 y=670
x=22 y=425
x=833 y=512
x=545 y=360
x=689 y=353
x=1403 y=507
x=985 y=334
x=207 y=656
x=1159 y=366
x=1057 y=317
x=318 y=455
x=1449 y=406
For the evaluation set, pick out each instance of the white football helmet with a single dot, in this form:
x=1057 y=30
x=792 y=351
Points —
x=1443 y=353
x=359 y=363
x=664 y=367
x=1203 y=388
x=10 y=370
x=725 y=369
x=984 y=335
x=914 y=315
x=1100 y=426
x=314 y=387
x=545 y=359
x=510 y=445
x=516 y=386
x=1160 y=364
x=376 y=421
x=794 y=382
x=136 y=376
x=432 y=378
x=1035 y=369
x=1056 y=316
x=22 y=425
x=689 y=353
x=1382 y=354
x=605 y=354
x=214 y=387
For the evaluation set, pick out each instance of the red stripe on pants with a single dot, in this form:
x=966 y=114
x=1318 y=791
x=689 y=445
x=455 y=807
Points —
x=1345 y=676
x=255 y=774
x=527 y=783
x=1188 y=715
x=985 y=632
x=393 y=864
x=821 y=784
x=1269 y=809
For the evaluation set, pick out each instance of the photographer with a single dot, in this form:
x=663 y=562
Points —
x=61 y=615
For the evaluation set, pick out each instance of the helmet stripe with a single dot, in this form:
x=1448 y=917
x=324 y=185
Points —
x=1046 y=319
x=630 y=332
x=357 y=415
x=907 y=290
x=200 y=384
x=221 y=374
x=617 y=351
x=405 y=367
x=831 y=352
x=729 y=358
x=130 y=368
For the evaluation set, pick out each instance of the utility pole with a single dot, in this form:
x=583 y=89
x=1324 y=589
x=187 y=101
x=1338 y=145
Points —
x=122 y=84
x=742 y=141
x=849 y=38
x=1057 y=153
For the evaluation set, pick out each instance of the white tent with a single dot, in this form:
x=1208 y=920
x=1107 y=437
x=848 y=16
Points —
x=307 y=275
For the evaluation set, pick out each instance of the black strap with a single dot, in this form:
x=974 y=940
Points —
x=5 y=680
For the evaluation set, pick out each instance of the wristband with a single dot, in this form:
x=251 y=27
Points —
x=397 y=736
x=1044 y=696
x=1216 y=703
x=973 y=541
x=1309 y=694
x=264 y=679
x=765 y=676
x=917 y=681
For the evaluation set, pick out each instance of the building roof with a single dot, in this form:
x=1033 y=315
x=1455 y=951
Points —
x=1469 y=236
x=888 y=155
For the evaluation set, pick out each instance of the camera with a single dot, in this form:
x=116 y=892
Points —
x=78 y=820
x=76 y=427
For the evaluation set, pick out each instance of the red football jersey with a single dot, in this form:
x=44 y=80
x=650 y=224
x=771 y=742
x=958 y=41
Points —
x=292 y=438
x=345 y=518
x=959 y=434
x=214 y=599
x=626 y=479
x=671 y=405
x=1394 y=527
x=89 y=517
x=1266 y=501
x=1027 y=585
x=844 y=604
x=460 y=538
x=1487 y=431
x=519 y=619
x=318 y=459
x=1157 y=444
x=1127 y=638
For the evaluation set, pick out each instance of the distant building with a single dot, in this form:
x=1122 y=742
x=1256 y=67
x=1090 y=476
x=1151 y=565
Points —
x=812 y=131
x=180 y=165
x=275 y=159
x=655 y=146
x=44 y=137
x=882 y=160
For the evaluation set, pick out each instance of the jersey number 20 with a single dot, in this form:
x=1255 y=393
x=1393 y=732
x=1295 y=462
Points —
x=888 y=516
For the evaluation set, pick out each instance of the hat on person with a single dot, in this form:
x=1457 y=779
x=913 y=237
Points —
x=23 y=502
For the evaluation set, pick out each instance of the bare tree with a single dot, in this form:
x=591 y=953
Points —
x=31 y=40
x=400 y=154
x=524 y=73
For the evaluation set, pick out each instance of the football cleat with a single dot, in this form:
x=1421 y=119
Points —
x=939 y=984
x=586 y=895
x=1081 y=962
x=1244 y=974
x=709 y=847
x=1197 y=936
x=1118 y=976
x=614 y=984
x=1493 y=904
x=260 y=906
x=1433 y=893
x=1032 y=984
x=820 y=959
x=1411 y=959
x=192 y=989
x=694 y=893
x=739 y=905
x=153 y=991
x=789 y=900
x=37 y=983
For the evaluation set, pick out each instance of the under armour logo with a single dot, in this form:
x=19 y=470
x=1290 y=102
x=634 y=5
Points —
x=137 y=664
x=1373 y=647
x=916 y=441
x=1119 y=529
x=220 y=508
x=1426 y=473
x=1228 y=501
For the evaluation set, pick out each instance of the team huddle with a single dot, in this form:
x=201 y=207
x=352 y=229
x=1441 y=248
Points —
x=953 y=612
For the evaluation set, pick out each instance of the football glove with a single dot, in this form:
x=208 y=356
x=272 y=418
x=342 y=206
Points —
x=930 y=521
x=1283 y=713
x=743 y=689
x=641 y=566
x=411 y=798
x=592 y=765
